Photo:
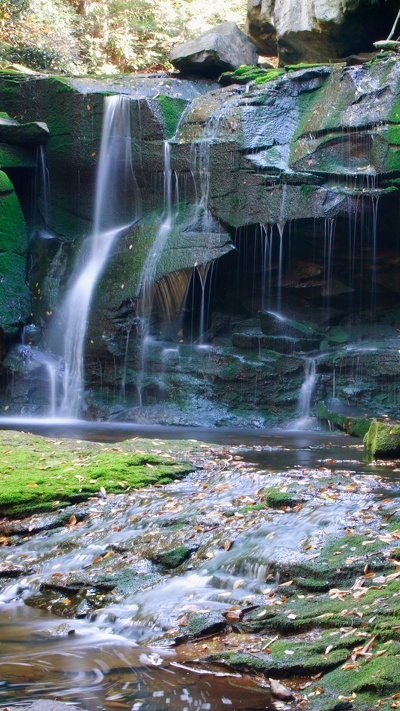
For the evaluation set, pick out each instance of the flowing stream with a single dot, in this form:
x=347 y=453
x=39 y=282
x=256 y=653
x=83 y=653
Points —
x=123 y=654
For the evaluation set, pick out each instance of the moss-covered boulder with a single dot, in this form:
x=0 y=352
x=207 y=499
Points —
x=344 y=416
x=14 y=292
x=383 y=439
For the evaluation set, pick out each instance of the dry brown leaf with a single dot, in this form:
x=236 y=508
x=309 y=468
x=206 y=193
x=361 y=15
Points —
x=348 y=665
x=228 y=544
x=97 y=559
x=233 y=615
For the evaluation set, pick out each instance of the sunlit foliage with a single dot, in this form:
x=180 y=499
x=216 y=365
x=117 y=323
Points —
x=104 y=36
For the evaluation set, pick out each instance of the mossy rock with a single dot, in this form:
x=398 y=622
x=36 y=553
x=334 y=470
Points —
x=246 y=74
x=278 y=499
x=383 y=439
x=14 y=293
x=174 y=557
x=286 y=658
x=41 y=477
x=354 y=423
x=172 y=109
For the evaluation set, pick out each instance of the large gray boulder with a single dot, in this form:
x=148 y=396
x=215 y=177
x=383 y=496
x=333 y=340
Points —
x=318 y=31
x=220 y=49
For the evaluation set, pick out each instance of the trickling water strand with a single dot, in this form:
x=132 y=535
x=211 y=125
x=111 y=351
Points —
x=125 y=366
x=281 y=227
x=329 y=238
x=115 y=188
x=375 y=203
x=150 y=266
x=44 y=184
x=149 y=269
x=203 y=273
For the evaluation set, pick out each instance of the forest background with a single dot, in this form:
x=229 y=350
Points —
x=105 y=36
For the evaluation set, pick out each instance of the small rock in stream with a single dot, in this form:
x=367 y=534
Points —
x=280 y=690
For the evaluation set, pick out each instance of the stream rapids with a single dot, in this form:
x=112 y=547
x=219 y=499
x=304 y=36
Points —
x=131 y=649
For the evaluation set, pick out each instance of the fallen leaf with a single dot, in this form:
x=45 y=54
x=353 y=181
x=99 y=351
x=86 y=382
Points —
x=233 y=615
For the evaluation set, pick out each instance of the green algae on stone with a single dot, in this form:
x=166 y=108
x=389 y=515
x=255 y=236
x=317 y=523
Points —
x=246 y=74
x=173 y=558
x=383 y=439
x=356 y=425
x=37 y=476
x=172 y=109
x=277 y=499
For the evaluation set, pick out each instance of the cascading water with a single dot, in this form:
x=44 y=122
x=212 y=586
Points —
x=148 y=274
x=305 y=395
x=115 y=186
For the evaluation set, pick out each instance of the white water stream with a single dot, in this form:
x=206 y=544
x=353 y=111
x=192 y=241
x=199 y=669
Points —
x=115 y=186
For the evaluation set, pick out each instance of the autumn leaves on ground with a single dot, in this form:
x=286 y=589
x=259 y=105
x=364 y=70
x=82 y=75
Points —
x=304 y=564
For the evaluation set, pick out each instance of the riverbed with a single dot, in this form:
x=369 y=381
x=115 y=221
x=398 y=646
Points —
x=144 y=644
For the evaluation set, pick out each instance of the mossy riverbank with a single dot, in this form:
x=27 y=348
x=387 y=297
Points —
x=300 y=566
x=39 y=474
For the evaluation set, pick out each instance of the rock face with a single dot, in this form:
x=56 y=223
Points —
x=317 y=31
x=18 y=151
x=220 y=49
x=277 y=282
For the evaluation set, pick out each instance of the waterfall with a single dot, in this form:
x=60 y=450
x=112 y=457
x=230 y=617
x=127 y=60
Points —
x=115 y=187
x=148 y=275
x=305 y=395
x=150 y=266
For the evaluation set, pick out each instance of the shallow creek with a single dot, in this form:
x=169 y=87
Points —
x=131 y=650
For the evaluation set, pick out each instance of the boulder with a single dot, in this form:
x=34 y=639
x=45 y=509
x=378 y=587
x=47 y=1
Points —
x=15 y=299
x=383 y=439
x=220 y=49
x=317 y=31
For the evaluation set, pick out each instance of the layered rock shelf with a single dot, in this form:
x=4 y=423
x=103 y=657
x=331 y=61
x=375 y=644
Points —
x=281 y=245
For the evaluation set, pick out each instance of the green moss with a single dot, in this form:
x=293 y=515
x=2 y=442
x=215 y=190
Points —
x=36 y=476
x=289 y=658
x=270 y=75
x=392 y=135
x=303 y=65
x=277 y=499
x=379 y=675
x=172 y=109
x=383 y=439
x=173 y=558
x=356 y=426
x=246 y=74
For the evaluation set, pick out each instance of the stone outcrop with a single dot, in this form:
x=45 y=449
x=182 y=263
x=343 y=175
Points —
x=18 y=151
x=222 y=48
x=317 y=31
x=290 y=184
